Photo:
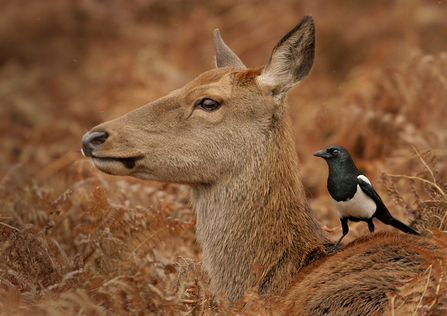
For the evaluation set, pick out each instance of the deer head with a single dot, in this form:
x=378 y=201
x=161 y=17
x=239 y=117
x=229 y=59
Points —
x=196 y=134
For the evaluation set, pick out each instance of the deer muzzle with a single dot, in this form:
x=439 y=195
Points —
x=92 y=141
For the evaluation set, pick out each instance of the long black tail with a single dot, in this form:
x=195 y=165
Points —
x=398 y=224
x=390 y=220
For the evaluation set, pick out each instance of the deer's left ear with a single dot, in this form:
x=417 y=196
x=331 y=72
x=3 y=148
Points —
x=225 y=57
x=291 y=59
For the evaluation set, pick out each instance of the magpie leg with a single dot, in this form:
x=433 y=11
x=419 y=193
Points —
x=370 y=225
x=345 y=227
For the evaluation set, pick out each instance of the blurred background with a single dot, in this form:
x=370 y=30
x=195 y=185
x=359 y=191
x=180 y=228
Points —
x=378 y=87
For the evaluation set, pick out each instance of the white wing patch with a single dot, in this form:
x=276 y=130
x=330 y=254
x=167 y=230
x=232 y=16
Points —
x=360 y=206
x=364 y=178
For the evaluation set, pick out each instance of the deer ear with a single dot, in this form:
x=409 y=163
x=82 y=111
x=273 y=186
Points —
x=291 y=59
x=225 y=57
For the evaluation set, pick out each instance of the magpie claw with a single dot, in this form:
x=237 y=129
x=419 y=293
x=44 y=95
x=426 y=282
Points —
x=332 y=249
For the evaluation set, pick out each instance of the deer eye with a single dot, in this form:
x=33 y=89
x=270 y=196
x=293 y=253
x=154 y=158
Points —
x=208 y=104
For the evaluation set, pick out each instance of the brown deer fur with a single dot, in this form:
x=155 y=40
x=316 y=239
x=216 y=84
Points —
x=242 y=166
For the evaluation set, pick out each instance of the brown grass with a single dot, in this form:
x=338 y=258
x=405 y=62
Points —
x=76 y=242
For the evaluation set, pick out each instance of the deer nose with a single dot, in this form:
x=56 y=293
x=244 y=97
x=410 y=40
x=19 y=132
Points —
x=92 y=141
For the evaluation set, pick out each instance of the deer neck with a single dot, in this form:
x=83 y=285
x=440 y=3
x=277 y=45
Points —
x=259 y=217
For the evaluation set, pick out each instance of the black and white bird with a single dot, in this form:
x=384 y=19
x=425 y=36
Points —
x=352 y=193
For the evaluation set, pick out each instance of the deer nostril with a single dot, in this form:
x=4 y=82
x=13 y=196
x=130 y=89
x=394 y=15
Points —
x=91 y=141
x=98 y=140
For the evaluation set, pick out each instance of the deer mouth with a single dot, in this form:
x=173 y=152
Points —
x=128 y=162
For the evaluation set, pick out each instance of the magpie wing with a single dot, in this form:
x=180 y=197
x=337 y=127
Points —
x=382 y=212
x=368 y=189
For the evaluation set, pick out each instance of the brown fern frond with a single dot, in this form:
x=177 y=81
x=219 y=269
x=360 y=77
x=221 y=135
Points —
x=440 y=237
x=390 y=187
x=431 y=205
x=62 y=202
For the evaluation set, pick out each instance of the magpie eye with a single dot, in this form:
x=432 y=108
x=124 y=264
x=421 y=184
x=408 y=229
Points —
x=335 y=152
x=208 y=104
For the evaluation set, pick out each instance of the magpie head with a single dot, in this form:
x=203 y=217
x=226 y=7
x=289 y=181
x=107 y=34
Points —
x=334 y=154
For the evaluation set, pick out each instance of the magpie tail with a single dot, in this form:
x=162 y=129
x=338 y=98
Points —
x=399 y=225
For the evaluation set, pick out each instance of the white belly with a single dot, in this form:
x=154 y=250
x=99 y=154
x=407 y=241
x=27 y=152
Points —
x=360 y=206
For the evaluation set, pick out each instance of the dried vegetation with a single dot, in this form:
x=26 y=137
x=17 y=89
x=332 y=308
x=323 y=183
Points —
x=76 y=242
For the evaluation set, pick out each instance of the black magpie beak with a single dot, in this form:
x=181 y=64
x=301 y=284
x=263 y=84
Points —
x=322 y=153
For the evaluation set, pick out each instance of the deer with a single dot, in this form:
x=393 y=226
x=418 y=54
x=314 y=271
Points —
x=227 y=134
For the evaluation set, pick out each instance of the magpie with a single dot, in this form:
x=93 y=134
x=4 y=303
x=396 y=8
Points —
x=353 y=195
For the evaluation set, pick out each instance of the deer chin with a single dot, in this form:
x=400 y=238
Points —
x=121 y=166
